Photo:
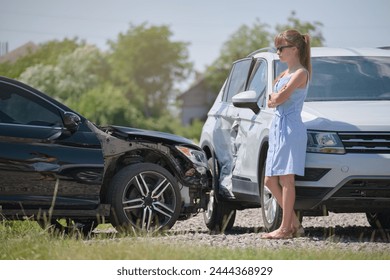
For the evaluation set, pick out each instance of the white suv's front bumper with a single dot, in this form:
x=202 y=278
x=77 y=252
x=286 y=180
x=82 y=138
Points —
x=353 y=181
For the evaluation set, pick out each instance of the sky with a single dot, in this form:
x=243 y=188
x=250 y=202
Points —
x=204 y=24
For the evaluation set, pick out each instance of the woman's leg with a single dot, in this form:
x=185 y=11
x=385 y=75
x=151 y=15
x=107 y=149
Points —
x=289 y=194
x=274 y=185
x=283 y=188
x=288 y=200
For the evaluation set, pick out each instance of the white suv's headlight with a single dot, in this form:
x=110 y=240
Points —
x=324 y=142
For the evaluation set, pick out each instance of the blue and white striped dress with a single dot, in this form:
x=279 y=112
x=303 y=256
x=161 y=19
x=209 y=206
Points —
x=287 y=135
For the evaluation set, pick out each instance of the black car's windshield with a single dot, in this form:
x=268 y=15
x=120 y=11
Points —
x=349 y=78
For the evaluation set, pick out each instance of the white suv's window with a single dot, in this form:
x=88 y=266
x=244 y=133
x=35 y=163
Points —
x=238 y=78
x=258 y=81
x=350 y=78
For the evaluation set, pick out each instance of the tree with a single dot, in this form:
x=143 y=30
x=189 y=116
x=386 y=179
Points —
x=146 y=64
x=137 y=76
x=68 y=79
x=107 y=104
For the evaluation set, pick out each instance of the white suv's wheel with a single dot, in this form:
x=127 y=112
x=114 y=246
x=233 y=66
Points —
x=272 y=213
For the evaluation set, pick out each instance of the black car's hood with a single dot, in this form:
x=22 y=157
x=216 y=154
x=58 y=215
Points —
x=155 y=136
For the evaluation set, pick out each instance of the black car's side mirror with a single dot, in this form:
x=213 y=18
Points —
x=247 y=99
x=71 y=121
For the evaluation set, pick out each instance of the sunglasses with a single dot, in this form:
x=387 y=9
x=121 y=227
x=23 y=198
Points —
x=281 y=48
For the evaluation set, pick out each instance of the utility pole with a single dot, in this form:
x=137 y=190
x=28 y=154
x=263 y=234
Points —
x=3 y=48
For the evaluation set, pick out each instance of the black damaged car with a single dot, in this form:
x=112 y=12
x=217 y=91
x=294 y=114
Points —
x=63 y=171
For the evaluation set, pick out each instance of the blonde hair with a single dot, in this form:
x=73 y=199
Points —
x=301 y=42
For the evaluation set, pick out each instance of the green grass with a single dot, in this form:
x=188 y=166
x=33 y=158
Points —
x=27 y=241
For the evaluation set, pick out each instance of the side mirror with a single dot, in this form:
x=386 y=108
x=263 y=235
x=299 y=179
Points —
x=71 y=121
x=247 y=99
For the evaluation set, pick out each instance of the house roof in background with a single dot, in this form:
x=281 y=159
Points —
x=13 y=55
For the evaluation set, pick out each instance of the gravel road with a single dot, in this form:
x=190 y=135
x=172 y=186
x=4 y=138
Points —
x=339 y=231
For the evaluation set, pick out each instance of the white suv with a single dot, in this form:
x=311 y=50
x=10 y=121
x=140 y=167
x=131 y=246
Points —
x=347 y=115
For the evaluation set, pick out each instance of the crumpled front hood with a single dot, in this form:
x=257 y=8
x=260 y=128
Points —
x=347 y=115
x=155 y=136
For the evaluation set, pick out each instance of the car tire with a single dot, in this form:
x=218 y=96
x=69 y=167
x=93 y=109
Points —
x=219 y=216
x=144 y=197
x=379 y=220
x=271 y=211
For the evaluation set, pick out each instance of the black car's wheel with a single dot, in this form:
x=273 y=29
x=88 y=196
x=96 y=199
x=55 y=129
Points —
x=218 y=216
x=144 y=197
x=379 y=220
x=270 y=209
x=69 y=226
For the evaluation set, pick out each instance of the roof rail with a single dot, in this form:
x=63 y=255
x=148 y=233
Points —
x=267 y=49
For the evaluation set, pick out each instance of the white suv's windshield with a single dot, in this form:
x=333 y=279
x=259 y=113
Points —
x=348 y=78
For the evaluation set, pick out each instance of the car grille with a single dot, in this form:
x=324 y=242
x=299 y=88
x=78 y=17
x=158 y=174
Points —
x=366 y=142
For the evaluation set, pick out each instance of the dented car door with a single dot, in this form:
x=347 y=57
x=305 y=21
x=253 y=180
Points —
x=227 y=125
